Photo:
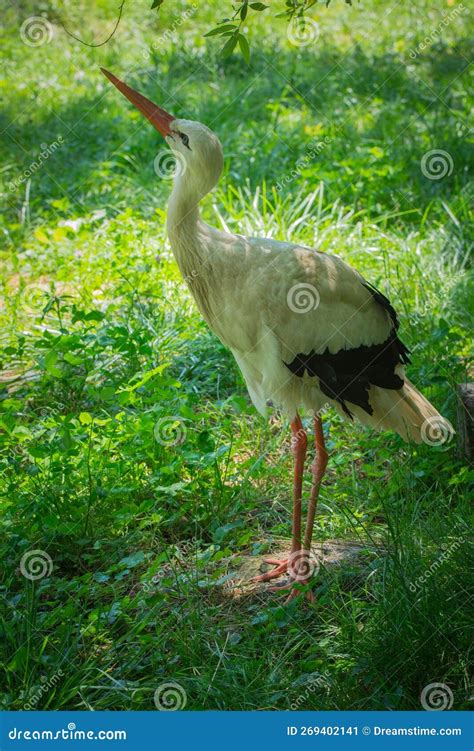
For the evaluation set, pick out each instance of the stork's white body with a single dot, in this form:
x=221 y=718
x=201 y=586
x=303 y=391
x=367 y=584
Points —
x=268 y=301
x=252 y=292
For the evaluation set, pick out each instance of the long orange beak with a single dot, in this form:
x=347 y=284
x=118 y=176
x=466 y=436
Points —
x=160 y=119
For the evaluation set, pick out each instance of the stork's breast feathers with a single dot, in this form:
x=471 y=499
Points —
x=348 y=374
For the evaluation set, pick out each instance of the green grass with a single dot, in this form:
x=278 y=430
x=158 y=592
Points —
x=101 y=341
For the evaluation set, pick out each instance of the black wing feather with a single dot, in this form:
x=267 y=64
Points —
x=347 y=375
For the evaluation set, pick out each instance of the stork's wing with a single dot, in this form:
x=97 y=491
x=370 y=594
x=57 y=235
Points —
x=333 y=325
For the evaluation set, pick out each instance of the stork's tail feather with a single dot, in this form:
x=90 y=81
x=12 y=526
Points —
x=408 y=413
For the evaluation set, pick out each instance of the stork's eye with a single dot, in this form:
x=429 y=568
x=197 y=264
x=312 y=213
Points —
x=184 y=139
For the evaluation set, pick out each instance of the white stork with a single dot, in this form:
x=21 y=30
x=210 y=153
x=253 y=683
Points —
x=305 y=328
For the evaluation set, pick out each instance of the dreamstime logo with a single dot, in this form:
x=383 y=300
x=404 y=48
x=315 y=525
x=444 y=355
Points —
x=295 y=439
x=301 y=565
x=45 y=153
x=170 y=35
x=302 y=298
x=56 y=409
x=47 y=685
x=425 y=307
x=35 y=31
x=183 y=550
x=170 y=430
x=36 y=564
x=191 y=277
x=322 y=681
x=436 y=697
x=169 y=164
x=435 y=34
x=35 y=295
x=302 y=31
x=448 y=551
x=314 y=150
x=169 y=697
x=436 y=431
x=436 y=164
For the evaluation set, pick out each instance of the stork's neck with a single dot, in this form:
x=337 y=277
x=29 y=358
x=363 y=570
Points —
x=183 y=211
x=182 y=222
x=187 y=234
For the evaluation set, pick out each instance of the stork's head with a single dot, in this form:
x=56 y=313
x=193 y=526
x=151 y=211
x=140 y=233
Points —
x=197 y=148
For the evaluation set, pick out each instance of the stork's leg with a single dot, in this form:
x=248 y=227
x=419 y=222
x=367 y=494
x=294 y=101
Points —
x=299 y=443
x=318 y=469
x=303 y=565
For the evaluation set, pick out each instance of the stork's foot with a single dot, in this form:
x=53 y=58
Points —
x=295 y=591
x=281 y=567
x=300 y=567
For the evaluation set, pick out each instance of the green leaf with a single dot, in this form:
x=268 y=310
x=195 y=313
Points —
x=221 y=532
x=72 y=359
x=229 y=46
x=151 y=373
x=41 y=235
x=157 y=4
x=94 y=315
x=221 y=29
x=50 y=364
x=244 y=47
x=19 y=659
x=258 y=6
x=130 y=561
